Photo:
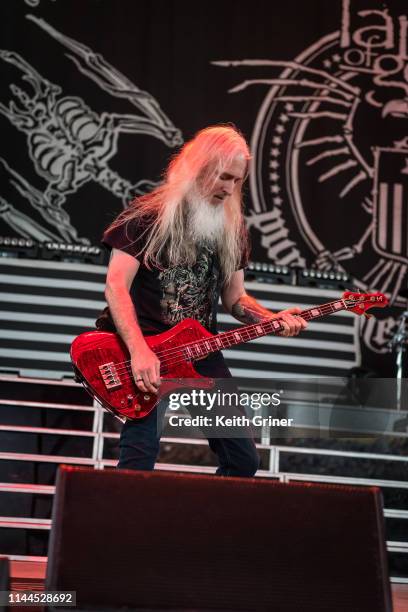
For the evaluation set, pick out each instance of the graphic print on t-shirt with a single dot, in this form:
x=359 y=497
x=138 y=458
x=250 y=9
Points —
x=190 y=292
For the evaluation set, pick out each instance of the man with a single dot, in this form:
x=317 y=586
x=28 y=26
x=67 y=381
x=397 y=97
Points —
x=175 y=251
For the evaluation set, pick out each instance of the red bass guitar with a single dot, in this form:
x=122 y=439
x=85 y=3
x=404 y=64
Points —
x=101 y=360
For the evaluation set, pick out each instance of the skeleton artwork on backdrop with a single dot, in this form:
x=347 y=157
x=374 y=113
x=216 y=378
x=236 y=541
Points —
x=69 y=144
x=307 y=133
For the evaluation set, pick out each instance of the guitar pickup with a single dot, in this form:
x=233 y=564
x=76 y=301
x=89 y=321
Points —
x=110 y=375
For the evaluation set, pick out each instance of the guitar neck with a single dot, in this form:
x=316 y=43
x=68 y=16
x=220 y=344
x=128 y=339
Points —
x=255 y=330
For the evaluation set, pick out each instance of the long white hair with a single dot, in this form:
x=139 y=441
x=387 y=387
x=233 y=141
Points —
x=193 y=170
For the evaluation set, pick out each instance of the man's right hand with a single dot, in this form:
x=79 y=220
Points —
x=146 y=369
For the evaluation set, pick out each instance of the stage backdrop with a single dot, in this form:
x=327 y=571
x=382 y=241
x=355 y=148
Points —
x=96 y=95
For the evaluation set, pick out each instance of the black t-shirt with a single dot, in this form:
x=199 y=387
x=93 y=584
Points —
x=165 y=297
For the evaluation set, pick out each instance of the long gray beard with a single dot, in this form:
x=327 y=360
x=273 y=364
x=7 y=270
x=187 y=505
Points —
x=205 y=222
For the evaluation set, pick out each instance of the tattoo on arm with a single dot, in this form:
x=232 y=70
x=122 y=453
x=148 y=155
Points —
x=248 y=310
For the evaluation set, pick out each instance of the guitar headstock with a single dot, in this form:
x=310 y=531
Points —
x=361 y=302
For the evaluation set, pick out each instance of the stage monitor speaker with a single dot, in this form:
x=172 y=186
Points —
x=156 y=540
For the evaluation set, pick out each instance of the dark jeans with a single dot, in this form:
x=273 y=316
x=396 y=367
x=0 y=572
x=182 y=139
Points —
x=140 y=440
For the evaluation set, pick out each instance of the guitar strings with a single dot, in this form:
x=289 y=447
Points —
x=324 y=309
x=180 y=352
x=169 y=354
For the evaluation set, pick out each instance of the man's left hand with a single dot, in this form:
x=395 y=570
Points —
x=293 y=325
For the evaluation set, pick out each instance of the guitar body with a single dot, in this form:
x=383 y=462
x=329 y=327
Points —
x=101 y=363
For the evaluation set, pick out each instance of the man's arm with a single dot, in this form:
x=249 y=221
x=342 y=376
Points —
x=247 y=310
x=122 y=270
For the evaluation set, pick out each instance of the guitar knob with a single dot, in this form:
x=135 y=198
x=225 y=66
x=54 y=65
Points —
x=129 y=399
x=146 y=397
